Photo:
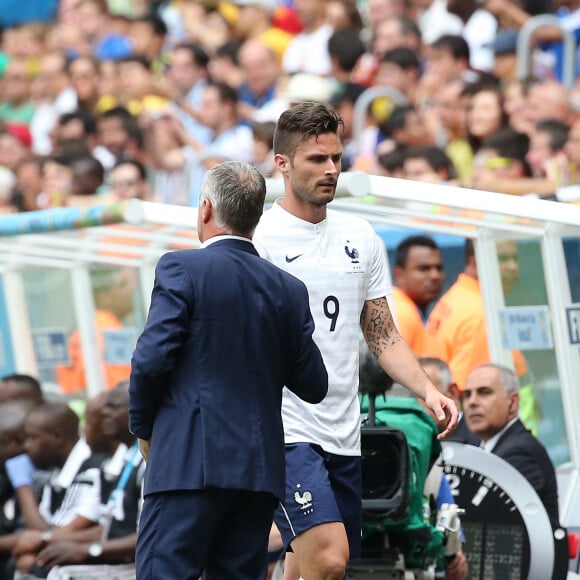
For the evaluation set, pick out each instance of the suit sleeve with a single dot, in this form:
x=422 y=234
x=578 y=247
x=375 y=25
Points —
x=160 y=342
x=307 y=375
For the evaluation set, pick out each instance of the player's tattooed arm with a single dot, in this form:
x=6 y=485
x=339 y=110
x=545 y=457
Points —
x=378 y=326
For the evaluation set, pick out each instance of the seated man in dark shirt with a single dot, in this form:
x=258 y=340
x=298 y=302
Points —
x=114 y=505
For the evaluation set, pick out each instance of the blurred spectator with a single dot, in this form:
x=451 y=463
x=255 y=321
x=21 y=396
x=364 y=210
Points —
x=260 y=68
x=7 y=188
x=263 y=149
x=88 y=178
x=308 y=51
x=58 y=97
x=224 y=64
x=450 y=120
x=546 y=152
x=345 y=49
x=119 y=133
x=139 y=90
x=435 y=20
x=398 y=31
x=547 y=100
x=16 y=387
x=343 y=102
x=84 y=77
x=57 y=178
x=116 y=513
x=505 y=55
x=445 y=59
x=479 y=30
x=405 y=127
x=429 y=164
x=399 y=70
x=15 y=487
x=485 y=114
x=29 y=184
x=188 y=76
x=113 y=290
x=255 y=20
x=14 y=146
x=378 y=11
x=501 y=160
x=147 y=37
x=128 y=180
x=515 y=100
x=75 y=473
x=391 y=164
x=342 y=14
x=15 y=91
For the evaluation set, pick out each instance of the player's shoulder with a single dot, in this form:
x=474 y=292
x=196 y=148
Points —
x=347 y=223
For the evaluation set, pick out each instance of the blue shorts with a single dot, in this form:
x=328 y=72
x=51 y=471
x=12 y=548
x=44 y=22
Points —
x=320 y=488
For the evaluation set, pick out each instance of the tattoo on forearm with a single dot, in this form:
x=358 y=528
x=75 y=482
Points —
x=378 y=326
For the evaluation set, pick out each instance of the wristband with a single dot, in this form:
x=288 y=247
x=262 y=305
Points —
x=20 y=470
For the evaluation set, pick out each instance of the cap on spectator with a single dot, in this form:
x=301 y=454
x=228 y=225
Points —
x=286 y=19
x=307 y=87
x=346 y=92
x=506 y=42
x=113 y=47
x=20 y=132
x=269 y=5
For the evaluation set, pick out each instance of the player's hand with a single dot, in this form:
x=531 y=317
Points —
x=444 y=410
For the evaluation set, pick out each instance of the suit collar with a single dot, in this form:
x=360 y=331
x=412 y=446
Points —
x=235 y=242
x=503 y=435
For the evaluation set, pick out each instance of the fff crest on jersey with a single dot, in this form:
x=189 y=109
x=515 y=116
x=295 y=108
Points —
x=352 y=254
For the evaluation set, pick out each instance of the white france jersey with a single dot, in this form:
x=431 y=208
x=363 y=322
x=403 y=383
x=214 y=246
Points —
x=343 y=263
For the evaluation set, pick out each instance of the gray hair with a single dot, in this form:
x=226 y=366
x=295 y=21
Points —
x=237 y=192
x=507 y=378
x=442 y=368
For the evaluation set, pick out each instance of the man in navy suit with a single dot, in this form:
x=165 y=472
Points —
x=491 y=404
x=226 y=331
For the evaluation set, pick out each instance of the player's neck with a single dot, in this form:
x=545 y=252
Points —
x=308 y=212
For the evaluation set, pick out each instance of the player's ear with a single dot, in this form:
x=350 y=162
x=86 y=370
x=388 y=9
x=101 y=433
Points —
x=281 y=162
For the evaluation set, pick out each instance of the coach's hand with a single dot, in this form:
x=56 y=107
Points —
x=144 y=448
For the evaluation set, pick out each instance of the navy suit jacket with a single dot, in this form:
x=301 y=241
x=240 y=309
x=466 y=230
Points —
x=523 y=451
x=463 y=435
x=226 y=331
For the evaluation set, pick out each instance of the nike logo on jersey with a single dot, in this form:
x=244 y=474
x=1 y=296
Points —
x=288 y=259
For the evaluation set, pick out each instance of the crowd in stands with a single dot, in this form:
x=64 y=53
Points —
x=104 y=100
x=107 y=100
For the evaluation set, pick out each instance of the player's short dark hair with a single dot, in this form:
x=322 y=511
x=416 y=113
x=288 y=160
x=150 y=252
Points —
x=305 y=120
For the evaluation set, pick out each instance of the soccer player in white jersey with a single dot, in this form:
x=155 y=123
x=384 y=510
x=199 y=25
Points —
x=342 y=262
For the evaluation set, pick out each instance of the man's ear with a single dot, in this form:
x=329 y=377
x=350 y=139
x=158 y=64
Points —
x=206 y=210
x=514 y=403
x=397 y=274
x=282 y=163
x=454 y=392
